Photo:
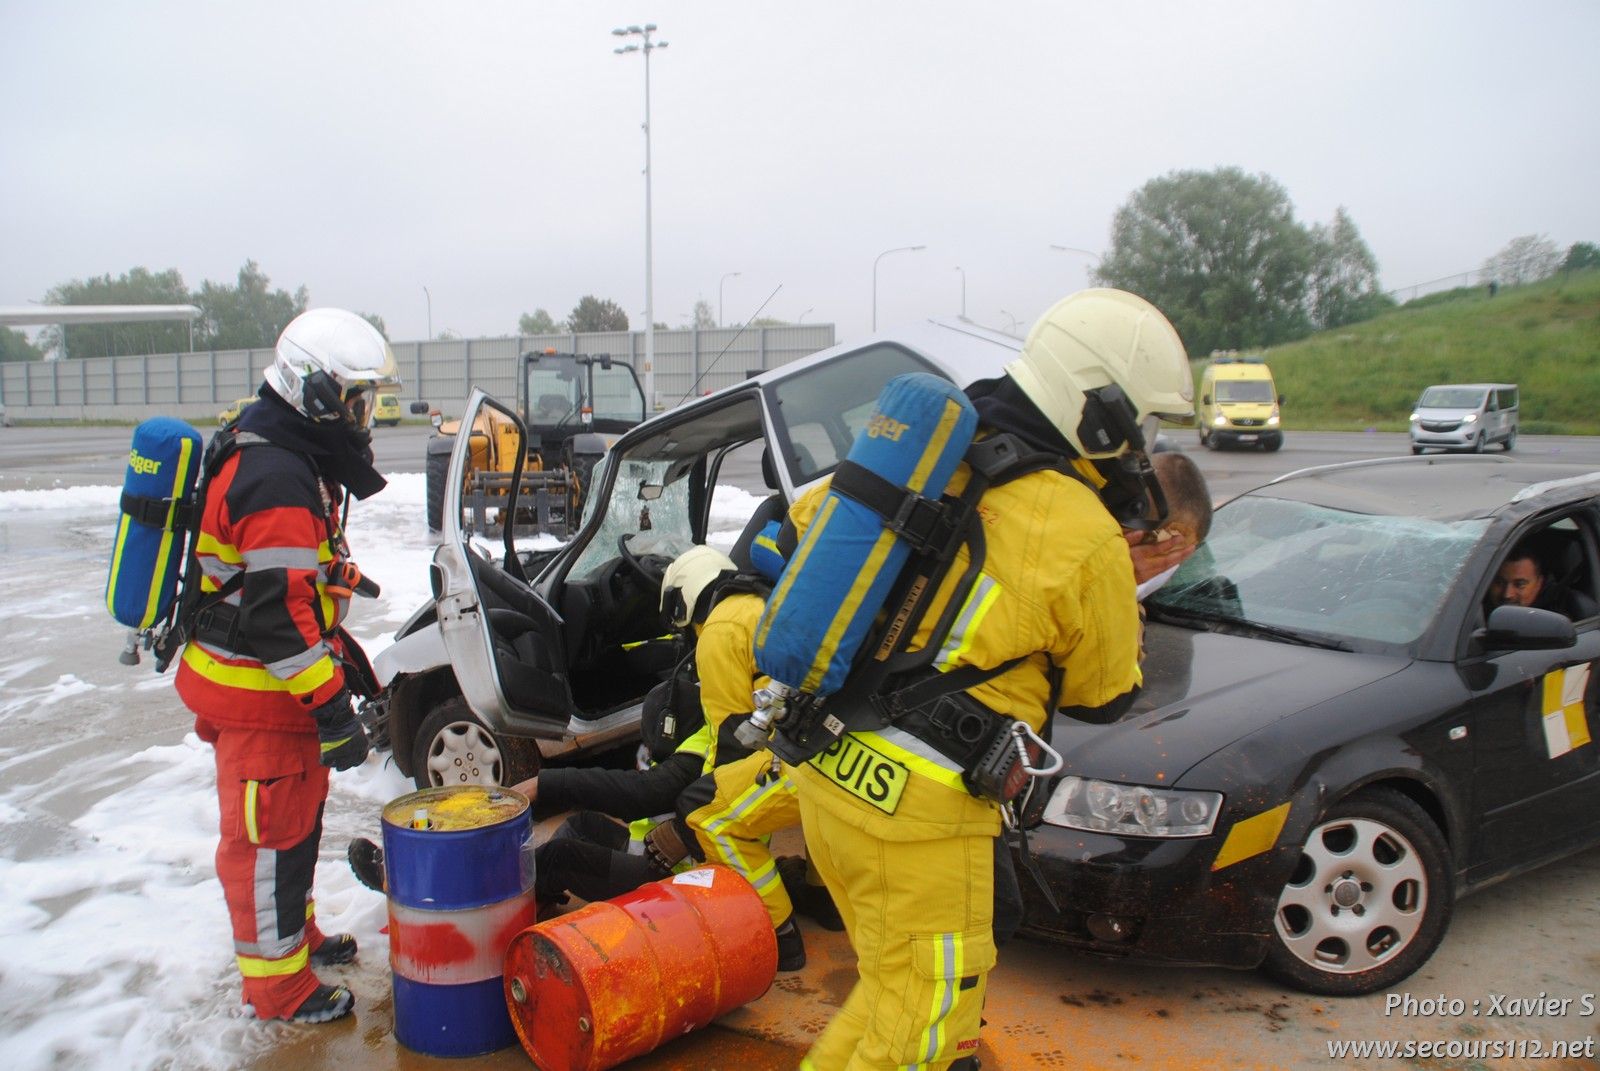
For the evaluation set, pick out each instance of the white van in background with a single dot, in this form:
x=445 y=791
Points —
x=1465 y=416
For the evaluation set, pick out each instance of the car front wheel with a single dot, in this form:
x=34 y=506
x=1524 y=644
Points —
x=454 y=748
x=1368 y=901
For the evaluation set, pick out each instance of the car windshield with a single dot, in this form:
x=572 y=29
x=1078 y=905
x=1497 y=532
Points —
x=1244 y=390
x=1308 y=573
x=1451 y=398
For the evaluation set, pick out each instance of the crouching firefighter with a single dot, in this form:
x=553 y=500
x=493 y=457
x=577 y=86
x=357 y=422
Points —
x=1017 y=600
x=265 y=667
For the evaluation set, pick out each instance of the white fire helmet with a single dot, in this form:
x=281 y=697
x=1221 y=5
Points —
x=688 y=577
x=1106 y=367
x=329 y=364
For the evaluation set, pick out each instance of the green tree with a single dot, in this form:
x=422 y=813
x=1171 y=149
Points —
x=246 y=315
x=704 y=315
x=14 y=346
x=593 y=314
x=1219 y=252
x=1343 y=285
x=1581 y=256
x=1526 y=259
x=537 y=322
x=140 y=286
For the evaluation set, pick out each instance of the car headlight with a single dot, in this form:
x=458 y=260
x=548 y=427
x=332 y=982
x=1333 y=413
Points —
x=1272 y=421
x=1132 y=810
x=1469 y=418
x=1219 y=420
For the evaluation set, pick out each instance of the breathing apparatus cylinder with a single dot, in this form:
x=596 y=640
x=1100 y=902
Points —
x=157 y=491
x=840 y=575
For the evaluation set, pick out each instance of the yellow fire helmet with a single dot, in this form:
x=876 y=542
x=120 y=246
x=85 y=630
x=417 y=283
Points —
x=688 y=577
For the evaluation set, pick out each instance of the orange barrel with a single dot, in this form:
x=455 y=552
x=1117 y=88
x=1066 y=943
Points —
x=612 y=980
x=459 y=867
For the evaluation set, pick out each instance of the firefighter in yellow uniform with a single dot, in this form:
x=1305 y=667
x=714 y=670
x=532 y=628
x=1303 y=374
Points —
x=912 y=868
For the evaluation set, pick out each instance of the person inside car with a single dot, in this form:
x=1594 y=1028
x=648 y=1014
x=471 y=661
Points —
x=1525 y=579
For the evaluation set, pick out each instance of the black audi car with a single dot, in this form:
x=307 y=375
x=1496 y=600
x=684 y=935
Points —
x=1340 y=732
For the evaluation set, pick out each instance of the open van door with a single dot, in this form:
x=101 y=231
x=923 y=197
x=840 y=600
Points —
x=504 y=641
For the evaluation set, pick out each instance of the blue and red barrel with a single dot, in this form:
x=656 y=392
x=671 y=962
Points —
x=459 y=867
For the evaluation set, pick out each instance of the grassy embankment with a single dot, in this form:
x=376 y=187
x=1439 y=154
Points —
x=1544 y=337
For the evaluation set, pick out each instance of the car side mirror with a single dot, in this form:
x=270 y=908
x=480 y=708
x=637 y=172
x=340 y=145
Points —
x=1280 y=399
x=1526 y=628
x=1205 y=399
x=418 y=408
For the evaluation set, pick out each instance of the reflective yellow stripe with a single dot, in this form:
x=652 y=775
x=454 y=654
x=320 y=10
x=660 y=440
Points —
x=257 y=678
x=1252 y=836
x=848 y=609
x=208 y=544
x=936 y=446
x=159 y=581
x=256 y=967
x=782 y=591
x=959 y=643
x=116 y=563
x=252 y=791
x=311 y=908
x=697 y=743
x=948 y=959
x=917 y=764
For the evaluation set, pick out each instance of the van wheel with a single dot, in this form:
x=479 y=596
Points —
x=1415 y=449
x=1511 y=440
x=1271 y=445
x=454 y=748
x=1477 y=444
x=1203 y=440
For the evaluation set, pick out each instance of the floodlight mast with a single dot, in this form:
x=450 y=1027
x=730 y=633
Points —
x=646 y=47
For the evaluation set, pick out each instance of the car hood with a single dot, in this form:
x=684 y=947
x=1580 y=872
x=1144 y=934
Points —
x=1437 y=413
x=1203 y=691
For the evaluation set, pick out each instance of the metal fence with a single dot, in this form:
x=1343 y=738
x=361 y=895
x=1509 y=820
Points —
x=196 y=386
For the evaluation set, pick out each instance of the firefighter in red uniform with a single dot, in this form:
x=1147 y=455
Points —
x=264 y=667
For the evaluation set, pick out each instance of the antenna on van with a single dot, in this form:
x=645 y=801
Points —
x=731 y=341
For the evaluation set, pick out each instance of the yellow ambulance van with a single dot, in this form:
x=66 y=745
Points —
x=1239 y=404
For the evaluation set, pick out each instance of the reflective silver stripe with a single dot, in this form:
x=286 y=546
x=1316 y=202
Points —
x=972 y=611
x=947 y=995
x=902 y=739
x=282 y=558
x=270 y=944
x=714 y=828
x=218 y=570
x=285 y=668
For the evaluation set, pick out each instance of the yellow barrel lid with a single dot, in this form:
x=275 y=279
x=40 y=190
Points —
x=456 y=807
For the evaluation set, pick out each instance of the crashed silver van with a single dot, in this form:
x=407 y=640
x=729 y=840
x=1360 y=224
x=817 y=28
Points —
x=1465 y=416
x=522 y=658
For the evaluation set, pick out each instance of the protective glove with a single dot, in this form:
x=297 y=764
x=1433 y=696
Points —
x=344 y=742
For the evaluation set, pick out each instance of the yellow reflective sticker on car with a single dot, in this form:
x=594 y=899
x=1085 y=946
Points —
x=864 y=772
x=1566 y=724
x=1252 y=836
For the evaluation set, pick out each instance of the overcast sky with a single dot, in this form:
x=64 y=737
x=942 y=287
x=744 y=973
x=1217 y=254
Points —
x=492 y=152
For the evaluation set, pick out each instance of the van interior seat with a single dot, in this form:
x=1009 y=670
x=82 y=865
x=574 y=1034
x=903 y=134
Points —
x=771 y=508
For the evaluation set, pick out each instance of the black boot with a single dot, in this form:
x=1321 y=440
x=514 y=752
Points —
x=366 y=861
x=811 y=900
x=791 y=946
x=327 y=1003
x=335 y=948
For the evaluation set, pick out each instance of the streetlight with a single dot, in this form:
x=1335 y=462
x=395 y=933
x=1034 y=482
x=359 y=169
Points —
x=649 y=289
x=1075 y=249
x=963 y=291
x=725 y=278
x=430 y=312
x=886 y=252
x=1012 y=318
x=803 y=315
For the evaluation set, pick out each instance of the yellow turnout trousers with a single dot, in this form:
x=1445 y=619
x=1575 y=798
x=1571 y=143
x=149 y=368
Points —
x=920 y=917
x=736 y=827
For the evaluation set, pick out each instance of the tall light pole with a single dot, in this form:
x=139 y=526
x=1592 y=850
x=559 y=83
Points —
x=430 y=312
x=1012 y=318
x=647 y=47
x=803 y=315
x=726 y=276
x=880 y=256
x=963 y=272
x=1075 y=249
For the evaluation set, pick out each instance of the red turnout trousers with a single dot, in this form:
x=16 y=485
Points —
x=271 y=787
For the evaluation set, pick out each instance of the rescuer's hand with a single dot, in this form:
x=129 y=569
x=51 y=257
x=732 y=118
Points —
x=344 y=742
